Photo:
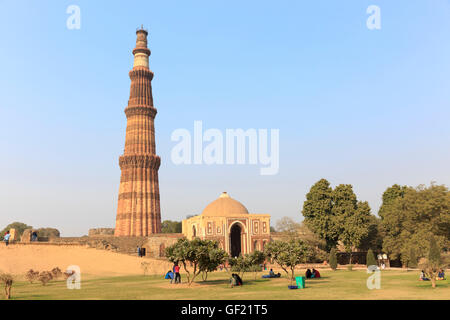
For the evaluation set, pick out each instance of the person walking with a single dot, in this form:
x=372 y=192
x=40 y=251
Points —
x=6 y=238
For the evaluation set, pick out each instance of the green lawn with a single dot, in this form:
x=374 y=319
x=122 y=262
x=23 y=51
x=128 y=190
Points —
x=341 y=284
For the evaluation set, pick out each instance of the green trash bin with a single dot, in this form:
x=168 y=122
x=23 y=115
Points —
x=300 y=282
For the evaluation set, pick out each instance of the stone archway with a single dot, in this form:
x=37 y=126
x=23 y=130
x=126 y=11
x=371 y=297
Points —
x=235 y=240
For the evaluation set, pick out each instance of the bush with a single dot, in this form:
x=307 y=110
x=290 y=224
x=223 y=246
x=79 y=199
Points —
x=333 y=259
x=56 y=273
x=32 y=275
x=45 y=277
x=7 y=279
x=370 y=258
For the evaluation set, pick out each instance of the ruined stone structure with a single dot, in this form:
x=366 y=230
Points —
x=229 y=222
x=138 y=212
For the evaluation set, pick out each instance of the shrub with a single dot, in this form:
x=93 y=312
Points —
x=370 y=258
x=32 y=275
x=67 y=274
x=56 y=273
x=45 y=277
x=333 y=259
x=7 y=279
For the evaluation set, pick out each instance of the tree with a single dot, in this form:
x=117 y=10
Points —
x=370 y=259
x=337 y=215
x=288 y=226
x=288 y=254
x=7 y=280
x=318 y=213
x=210 y=261
x=200 y=255
x=19 y=226
x=247 y=263
x=256 y=258
x=433 y=264
x=412 y=216
x=353 y=218
x=333 y=259
x=168 y=226
x=48 y=232
x=240 y=264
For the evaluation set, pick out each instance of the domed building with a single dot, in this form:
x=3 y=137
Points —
x=228 y=221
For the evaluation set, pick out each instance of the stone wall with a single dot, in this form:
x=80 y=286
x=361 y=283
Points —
x=101 y=232
x=154 y=245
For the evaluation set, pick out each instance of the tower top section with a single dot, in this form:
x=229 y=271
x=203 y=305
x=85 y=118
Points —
x=141 y=51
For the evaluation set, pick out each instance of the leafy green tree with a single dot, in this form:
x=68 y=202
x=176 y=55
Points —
x=196 y=256
x=433 y=264
x=288 y=254
x=412 y=216
x=353 y=218
x=168 y=226
x=318 y=213
x=337 y=215
x=409 y=258
x=370 y=258
x=209 y=262
x=240 y=264
x=19 y=226
x=333 y=259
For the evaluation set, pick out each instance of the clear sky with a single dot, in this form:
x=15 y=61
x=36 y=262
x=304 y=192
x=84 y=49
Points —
x=364 y=107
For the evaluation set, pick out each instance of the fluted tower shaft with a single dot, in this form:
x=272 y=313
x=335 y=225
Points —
x=138 y=211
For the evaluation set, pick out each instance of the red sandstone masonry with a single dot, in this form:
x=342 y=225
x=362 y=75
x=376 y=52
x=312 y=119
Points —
x=138 y=211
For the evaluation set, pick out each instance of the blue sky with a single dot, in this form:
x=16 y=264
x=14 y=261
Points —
x=353 y=105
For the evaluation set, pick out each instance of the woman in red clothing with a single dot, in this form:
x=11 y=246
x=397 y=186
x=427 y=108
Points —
x=176 y=269
x=316 y=273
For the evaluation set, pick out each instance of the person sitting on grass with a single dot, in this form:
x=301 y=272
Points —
x=235 y=280
x=308 y=274
x=441 y=275
x=315 y=273
x=271 y=273
x=423 y=276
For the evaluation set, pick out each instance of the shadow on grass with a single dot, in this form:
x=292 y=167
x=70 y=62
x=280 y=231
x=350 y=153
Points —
x=227 y=281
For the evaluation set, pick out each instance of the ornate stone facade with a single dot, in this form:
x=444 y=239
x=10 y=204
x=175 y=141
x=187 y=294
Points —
x=228 y=222
x=138 y=212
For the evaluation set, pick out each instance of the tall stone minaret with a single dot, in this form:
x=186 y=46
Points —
x=138 y=212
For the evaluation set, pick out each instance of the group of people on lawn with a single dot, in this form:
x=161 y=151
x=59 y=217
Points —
x=424 y=277
x=174 y=274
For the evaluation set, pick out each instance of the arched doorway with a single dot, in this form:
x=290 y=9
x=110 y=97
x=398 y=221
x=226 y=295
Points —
x=235 y=240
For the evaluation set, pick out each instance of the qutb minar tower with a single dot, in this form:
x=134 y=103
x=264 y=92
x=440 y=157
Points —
x=138 y=212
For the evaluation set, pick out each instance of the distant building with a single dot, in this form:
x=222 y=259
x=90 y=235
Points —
x=228 y=221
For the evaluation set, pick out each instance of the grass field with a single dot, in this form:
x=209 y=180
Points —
x=341 y=284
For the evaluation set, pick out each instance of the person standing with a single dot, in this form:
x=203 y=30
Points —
x=139 y=251
x=177 y=273
x=6 y=238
